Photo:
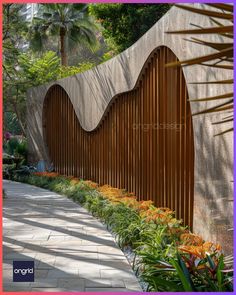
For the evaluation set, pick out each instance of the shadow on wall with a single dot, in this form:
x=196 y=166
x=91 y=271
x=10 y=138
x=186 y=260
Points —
x=213 y=204
x=37 y=147
x=103 y=82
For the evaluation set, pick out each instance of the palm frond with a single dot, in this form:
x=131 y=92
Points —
x=214 y=45
x=228 y=81
x=218 y=108
x=210 y=30
x=225 y=67
x=222 y=121
x=222 y=96
x=72 y=19
x=209 y=13
x=225 y=131
x=223 y=6
x=228 y=52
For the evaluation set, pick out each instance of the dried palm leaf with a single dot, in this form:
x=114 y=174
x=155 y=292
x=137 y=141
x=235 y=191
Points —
x=226 y=7
x=225 y=131
x=211 y=30
x=222 y=96
x=226 y=67
x=210 y=13
x=224 y=53
x=198 y=60
x=228 y=81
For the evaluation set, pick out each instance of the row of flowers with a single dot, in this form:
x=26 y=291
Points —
x=190 y=243
x=171 y=257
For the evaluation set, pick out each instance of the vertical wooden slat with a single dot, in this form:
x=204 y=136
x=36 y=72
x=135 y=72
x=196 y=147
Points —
x=134 y=147
x=138 y=131
x=145 y=139
x=150 y=128
x=142 y=140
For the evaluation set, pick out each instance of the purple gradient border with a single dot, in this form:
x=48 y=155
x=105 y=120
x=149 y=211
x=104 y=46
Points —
x=137 y=1
x=114 y=1
x=234 y=149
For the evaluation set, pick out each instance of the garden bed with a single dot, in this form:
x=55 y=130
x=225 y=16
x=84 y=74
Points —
x=167 y=256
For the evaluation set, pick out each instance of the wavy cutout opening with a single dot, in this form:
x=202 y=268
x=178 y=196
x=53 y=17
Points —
x=143 y=144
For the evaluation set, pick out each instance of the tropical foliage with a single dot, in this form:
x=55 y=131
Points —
x=221 y=16
x=69 y=22
x=168 y=257
x=14 y=154
x=33 y=71
x=124 y=24
x=14 y=32
x=23 y=68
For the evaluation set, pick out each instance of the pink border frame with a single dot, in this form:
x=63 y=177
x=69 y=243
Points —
x=1 y=117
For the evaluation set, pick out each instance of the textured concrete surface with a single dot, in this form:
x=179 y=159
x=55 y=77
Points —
x=72 y=250
x=91 y=93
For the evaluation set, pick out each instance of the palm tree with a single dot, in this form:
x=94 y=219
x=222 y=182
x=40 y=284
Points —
x=69 y=22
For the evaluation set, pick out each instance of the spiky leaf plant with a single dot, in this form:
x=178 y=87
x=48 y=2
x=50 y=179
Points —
x=222 y=58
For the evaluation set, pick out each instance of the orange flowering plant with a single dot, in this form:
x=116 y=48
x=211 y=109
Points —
x=167 y=250
x=46 y=174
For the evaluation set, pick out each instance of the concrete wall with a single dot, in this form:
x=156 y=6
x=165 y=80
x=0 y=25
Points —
x=92 y=91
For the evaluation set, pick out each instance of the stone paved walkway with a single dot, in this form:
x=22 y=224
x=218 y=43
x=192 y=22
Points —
x=72 y=250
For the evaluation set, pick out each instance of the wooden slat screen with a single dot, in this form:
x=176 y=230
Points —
x=143 y=144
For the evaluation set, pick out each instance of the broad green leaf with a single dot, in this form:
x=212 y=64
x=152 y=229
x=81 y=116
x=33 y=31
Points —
x=185 y=280
x=219 y=273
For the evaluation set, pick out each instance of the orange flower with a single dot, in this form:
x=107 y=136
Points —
x=157 y=215
x=91 y=183
x=200 y=251
x=74 y=181
x=111 y=193
x=194 y=250
x=145 y=205
x=190 y=243
x=191 y=239
x=130 y=202
x=47 y=174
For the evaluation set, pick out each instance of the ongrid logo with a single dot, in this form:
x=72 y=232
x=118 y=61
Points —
x=23 y=271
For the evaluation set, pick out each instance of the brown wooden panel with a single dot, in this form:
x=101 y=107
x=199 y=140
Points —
x=144 y=143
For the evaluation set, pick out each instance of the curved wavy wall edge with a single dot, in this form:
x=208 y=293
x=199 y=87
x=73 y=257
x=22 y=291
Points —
x=92 y=91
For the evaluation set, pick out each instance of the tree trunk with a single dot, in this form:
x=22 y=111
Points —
x=63 y=50
x=19 y=119
x=13 y=106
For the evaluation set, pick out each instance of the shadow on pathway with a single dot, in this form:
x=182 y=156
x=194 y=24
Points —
x=71 y=249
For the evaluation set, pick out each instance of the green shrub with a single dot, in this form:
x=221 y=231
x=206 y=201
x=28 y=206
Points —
x=21 y=149
x=11 y=145
x=15 y=152
x=157 y=260
x=8 y=170
x=7 y=159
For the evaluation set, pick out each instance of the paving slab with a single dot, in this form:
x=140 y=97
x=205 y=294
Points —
x=106 y=290
x=72 y=250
